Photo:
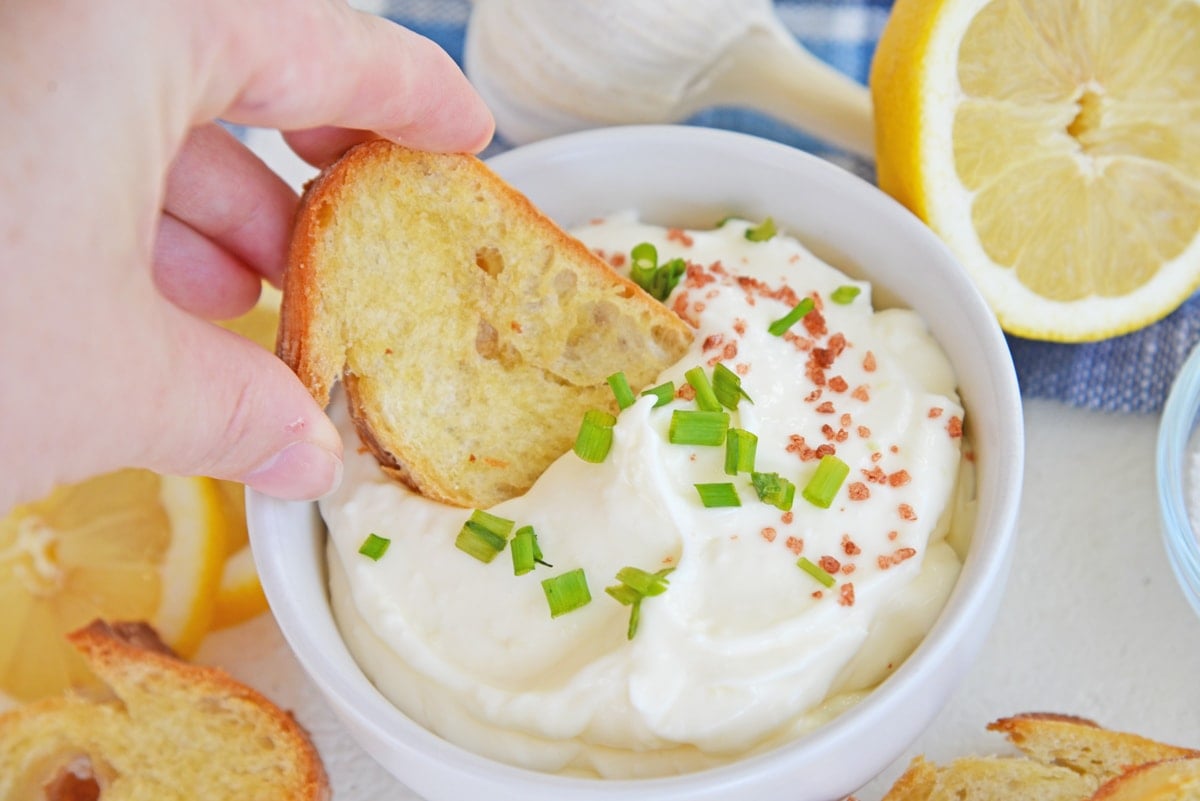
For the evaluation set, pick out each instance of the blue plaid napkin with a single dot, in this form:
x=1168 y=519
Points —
x=1132 y=373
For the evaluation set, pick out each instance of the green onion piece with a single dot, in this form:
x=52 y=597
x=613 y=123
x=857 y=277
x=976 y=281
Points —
x=642 y=582
x=845 y=294
x=635 y=616
x=697 y=428
x=621 y=390
x=774 y=489
x=780 y=326
x=666 y=278
x=500 y=526
x=727 y=386
x=525 y=551
x=624 y=594
x=721 y=222
x=665 y=393
x=761 y=232
x=595 y=435
x=476 y=540
x=706 y=400
x=643 y=264
x=815 y=570
x=740 y=448
x=374 y=546
x=826 y=481
x=717 y=495
x=567 y=592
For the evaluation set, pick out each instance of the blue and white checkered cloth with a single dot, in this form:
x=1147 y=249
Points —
x=1132 y=373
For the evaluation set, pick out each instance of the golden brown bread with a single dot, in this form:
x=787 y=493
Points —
x=169 y=730
x=471 y=331
x=1065 y=758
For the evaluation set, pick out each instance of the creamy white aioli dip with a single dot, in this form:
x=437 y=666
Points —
x=744 y=650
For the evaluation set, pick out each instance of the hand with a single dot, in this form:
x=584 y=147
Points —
x=128 y=217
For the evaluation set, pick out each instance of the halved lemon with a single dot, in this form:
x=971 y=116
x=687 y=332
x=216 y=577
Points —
x=1054 y=145
x=128 y=545
x=240 y=596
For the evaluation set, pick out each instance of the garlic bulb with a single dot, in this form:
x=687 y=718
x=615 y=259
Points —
x=547 y=67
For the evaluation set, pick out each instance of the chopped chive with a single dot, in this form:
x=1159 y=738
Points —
x=774 y=489
x=718 y=495
x=780 y=326
x=374 y=546
x=761 y=232
x=566 y=592
x=525 y=551
x=815 y=570
x=637 y=585
x=646 y=272
x=624 y=594
x=643 y=262
x=697 y=428
x=500 y=526
x=844 y=294
x=727 y=386
x=665 y=393
x=721 y=222
x=642 y=582
x=666 y=278
x=621 y=390
x=476 y=540
x=595 y=435
x=826 y=481
x=740 y=448
x=706 y=400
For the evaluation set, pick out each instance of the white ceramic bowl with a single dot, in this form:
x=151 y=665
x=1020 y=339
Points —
x=1177 y=474
x=694 y=176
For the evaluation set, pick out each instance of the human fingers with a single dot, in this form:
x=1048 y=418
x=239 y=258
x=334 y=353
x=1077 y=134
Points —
x=320 y=147
x=228 y=408
x=199 y=276
x=221 y=190
x=297 y=66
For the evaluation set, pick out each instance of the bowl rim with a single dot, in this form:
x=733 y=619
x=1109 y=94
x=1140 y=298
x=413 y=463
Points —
x=975 y=600
x=1176 y=431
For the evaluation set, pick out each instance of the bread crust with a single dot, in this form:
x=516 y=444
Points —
x=137 y=740
x=412 y=276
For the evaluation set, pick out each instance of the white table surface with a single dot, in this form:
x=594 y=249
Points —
x=1093 y=622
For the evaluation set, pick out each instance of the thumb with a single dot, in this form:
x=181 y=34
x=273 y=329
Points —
x=249 y=417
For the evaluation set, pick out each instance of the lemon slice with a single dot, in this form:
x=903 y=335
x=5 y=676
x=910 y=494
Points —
x=240 y=596
x=1054 y=145
x=128 y=545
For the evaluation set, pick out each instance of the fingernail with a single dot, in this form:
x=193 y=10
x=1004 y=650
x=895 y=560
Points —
x=301 y=471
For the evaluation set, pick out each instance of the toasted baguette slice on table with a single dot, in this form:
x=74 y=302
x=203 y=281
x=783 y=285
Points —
x=1082 y=745
x=1064 y=758
x=472 y=333
x=169 y=731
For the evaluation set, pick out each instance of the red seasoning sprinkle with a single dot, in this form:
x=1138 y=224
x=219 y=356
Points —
x=876 y=456
x=845 y=419
x=813 y=396
x=741 y=368
x=899 y=478
x=713 y=341
x=787 y=518
x=954 y=427
x=818 y=594
x=795 y=545
x=869 y=362
x=848 y=568
x=730 y=351
x=906 y=512
x=860 y=393
x=680 y=236
x=829 y=564
x=841 y=436
x=739 y=326
x=828 y=431
x=875 y=474
x=686 y=392
x=814 y=321
x=823 y=450
x=847 y=594
x=935 y=412
x=838 y=384
x=849 y=546
x=826 y=408
x=864 y=432
x=768 y=534
x=858 y=491
x=893 y=534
